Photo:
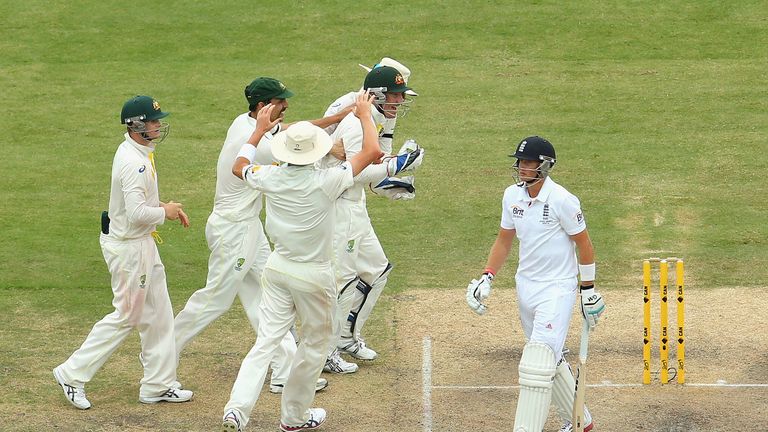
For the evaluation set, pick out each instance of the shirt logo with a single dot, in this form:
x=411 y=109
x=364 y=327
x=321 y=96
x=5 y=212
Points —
x=143 y=281
x=350 y=246
x=545 y=218
x=517 y=212
x=239 y=264
x=143 y=168
x=579 y=218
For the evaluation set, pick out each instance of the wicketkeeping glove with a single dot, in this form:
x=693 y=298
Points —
x=477 y=291
x=409 y=158
x=592 y=305
x=396 y=188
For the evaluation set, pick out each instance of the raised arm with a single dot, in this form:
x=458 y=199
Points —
x=248 y=151
x=371 y=151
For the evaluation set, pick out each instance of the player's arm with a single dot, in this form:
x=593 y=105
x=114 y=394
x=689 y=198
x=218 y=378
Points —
x=499 y=251
x=592 y=304
x=586 y=254
x=371 y=151
x=479 y=289
x=248 y=151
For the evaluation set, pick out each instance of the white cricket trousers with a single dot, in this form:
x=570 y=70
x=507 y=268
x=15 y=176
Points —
x=358 y=254
x=545 y=310
x=140 y=300
x=291 y=289
x=239 y=251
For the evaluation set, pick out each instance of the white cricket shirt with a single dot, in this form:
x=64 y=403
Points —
x=134 y=202
x=300 y=207
x=234 y=200
x=350 y=131
x=543 y=226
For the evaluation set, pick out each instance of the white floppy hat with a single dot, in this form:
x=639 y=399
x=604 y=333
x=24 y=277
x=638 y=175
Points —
x=301 y=144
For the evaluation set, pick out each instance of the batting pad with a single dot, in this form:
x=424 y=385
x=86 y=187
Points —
x=537 y=370
x=563 y=391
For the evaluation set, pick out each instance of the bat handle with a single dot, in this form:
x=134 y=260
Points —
x=584 y=345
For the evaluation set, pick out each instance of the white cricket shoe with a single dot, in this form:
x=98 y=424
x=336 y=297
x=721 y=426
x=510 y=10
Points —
x=170 y=395
x=231 y=422
x=568 y=427
x=357 y=349
x=278 y=388
x=316 y=418
x=335 y=364
x=74 y=395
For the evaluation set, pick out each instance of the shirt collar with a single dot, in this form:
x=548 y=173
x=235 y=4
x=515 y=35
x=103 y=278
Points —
x=144 y=149
x=546 y=189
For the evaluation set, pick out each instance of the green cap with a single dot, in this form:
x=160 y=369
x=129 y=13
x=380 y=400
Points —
x=263 y=89
x=386 y=76
x=143 y=107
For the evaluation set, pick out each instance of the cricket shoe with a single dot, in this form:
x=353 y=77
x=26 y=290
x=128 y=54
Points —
x=74 y=395
x=357 y=349
x=335 y=364
x=170 y=395
x=316 y=418
x=231 y=422
x=568 y=427
x=278 y=388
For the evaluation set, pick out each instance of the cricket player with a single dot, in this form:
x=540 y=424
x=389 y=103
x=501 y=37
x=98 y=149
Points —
x=550 y=226
x=363 y=267
x=239 y=248
x=298 y=278
x=138 y=276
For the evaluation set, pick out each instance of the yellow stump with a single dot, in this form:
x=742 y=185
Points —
x=664 y=318
x=680 y=276
x=646 y=322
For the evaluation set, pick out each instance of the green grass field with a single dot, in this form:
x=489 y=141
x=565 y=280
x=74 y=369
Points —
x=658 y=112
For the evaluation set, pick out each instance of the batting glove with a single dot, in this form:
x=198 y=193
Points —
x=477 y=291
x=592 y=305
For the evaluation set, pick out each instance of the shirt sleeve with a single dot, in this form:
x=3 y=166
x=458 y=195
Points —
x=570 y=215
x=134 y=181
x=336 y=180
x=507 y=221
x=255 y=175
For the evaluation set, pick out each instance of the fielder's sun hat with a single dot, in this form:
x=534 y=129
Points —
x=301 y=144
x=263 y=89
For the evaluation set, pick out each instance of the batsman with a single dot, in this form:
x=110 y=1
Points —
x=555 y=252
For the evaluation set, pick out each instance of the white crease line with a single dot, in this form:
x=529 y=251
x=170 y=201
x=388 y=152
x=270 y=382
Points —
x=603 y=385
x=426 y=376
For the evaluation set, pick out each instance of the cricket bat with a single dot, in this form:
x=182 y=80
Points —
x=581 y=381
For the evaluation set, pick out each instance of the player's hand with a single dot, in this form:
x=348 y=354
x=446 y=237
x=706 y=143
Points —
x=264 y=122
x=363 y=104
x=477 y=291
x=172 y=210
x=183 y=218
x=592 y=305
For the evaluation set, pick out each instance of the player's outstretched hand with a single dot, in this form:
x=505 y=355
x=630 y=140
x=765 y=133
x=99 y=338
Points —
x=363 y=104
x=264 y=122
x=592 y=305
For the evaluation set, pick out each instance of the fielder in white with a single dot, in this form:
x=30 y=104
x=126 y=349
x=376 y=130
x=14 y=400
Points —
x=363 y=267
x=550 y=226
x=239 y=248
x=298 y=278
x=138 y=276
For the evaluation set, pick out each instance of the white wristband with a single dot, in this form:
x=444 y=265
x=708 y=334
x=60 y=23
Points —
x=587 y=272
x=247 y=151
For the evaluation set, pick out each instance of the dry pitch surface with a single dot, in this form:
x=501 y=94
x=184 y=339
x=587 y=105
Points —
x=473 y=372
